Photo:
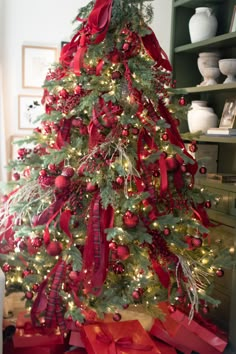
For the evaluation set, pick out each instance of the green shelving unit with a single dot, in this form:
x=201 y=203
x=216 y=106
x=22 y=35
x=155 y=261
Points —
x=184 y=55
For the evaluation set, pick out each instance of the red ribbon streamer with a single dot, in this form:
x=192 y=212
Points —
x=96 y=250
x=155 y=51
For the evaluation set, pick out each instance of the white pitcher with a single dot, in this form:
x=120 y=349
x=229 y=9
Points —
x=202 y=25
x=201 y=117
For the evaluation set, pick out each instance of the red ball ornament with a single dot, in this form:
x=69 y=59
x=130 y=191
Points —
x=130 y=220
x=165 y=137
x=112 y=246
x=116 y=317
x=91 y=187
x=52 y=167
x=203 y=170
x=37 y=242
x=120 y=180
x=123 y=252
x=166 y=231
x=61 y=182
x=35 y=287
x=183 y=168
x=171 y=308
x=220 y=273
x=182 y=101
x=29 y=295
x=196 y=242
x=135 y=131
x=77 y=90
x=68 y=171
x=208 y=204
x=125 y=132
x=74 y=276
x=26 y=272
x=172 y=164
x=54 y=248
x=125 y=306
x=15 y=176
x=43 y=173
x=63 y=93
x=116 y=75
x=6 y=267
x=136 y=295
x=156 y=173
x=118 y=268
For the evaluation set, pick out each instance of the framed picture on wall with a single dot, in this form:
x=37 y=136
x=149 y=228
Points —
x=35 y=64
x=233 y=21
x=228 y=118
x=29 y=108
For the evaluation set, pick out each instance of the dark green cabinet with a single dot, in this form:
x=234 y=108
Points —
x=183 y=57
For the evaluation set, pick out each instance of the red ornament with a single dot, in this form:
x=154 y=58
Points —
x=118 y=268
x=130 y=220
x=166 y=231
x=91 y=187
x=43 y=173
x=35 y=287
x=208 y=204
x=165 y=137
x=182 y=101
x=26 y=272
x=61 y=182
x=54 y=248
x=29 y=295
x=156 y=173
x=37 y=242
x=116 y=317
x=112 y=246
x=203 y=170
x=135 y=131
x=16 y=176
x=116 y=75
x=125 y=306
x=6 y=267
x=136 y=295
x=125 y=132
x=77 y=90
x=74 y=276
x=171 y=164
x=120 y=180
x=4 y=198
x=196 y=242
x=63 y=93
x=123 y=252
x=52 y=167
x=171 y=308
x=68 y=171
x=220 y=273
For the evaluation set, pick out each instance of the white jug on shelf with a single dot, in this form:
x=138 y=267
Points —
x=201 y=117
x=202 y=25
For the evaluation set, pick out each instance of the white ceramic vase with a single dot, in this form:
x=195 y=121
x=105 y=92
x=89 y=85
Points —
x=202 y=25
x=201 y=117
x=207 y=60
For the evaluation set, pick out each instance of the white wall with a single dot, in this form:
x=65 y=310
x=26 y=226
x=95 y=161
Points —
x=46 y=23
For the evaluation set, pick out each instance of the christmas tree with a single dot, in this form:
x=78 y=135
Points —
x=102 y=211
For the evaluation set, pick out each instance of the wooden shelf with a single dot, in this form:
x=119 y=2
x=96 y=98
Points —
x=215 y=139
x=210 y=88
x=222 y=41
x=230 y=187
x=195 y=3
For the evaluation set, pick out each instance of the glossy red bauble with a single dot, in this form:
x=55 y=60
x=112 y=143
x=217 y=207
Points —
x=120 y=180
x=208 y=204
x=29 y=295
x=91 y=187
x=172 y=164
x=15 y=176
x=136 y=295
x=203 y=170
x=182 y=101
x=220 y=273
x=61 y=182
x=116 y=317
x=196 y=242
x=166 y=231
x=123 y=252
x=54 y=248
x=118 y=268
x=130 y=220
x=68 y=171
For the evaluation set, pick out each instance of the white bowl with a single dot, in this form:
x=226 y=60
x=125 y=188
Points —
x=228 y=68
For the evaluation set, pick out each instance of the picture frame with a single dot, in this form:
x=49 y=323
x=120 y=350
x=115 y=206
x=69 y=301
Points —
x=228 y=118
x=233 y=21
x=36 y=61
x=29 y=108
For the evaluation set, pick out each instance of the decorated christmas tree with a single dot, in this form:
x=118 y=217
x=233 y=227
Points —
x=102 y=211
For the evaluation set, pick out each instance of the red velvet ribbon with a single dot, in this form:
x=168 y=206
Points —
x=163 y=276
x=65 y=223
x=63 y=135
x=104 y=336
x=96 y=250
x=99 y=19
x=155 y=51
